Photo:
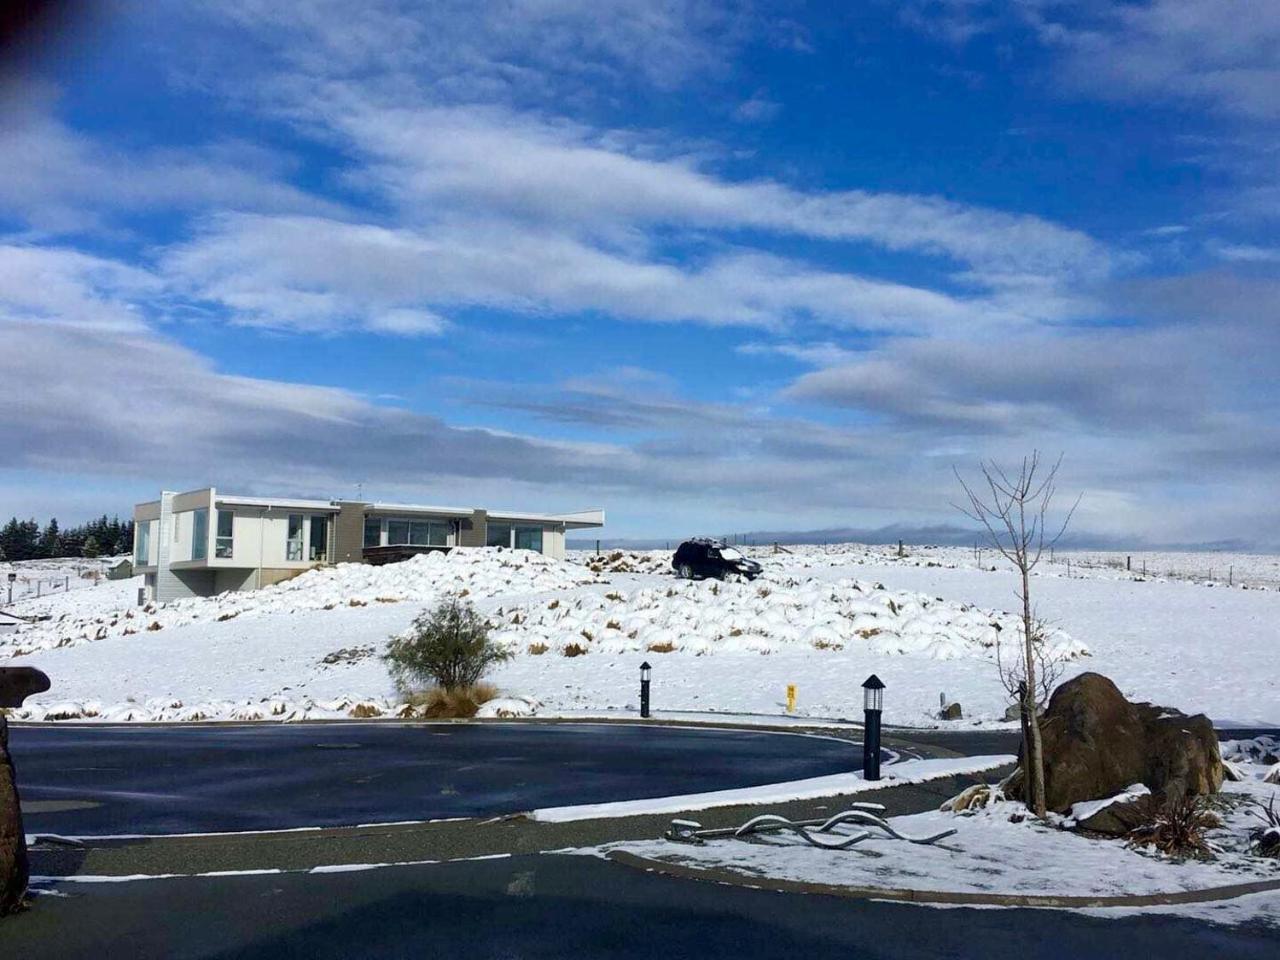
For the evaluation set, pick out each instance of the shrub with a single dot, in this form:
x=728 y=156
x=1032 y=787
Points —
x=1266 y=838
x=448 y=646
x=574 y=650
x=1178 y=828
x=666 y=646
x=538 y=649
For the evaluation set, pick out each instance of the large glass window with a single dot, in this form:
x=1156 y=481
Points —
x=529 y=538
x=418 y=533
x=293 y=543
x=224 y=542
x=498 y=535
x=141 y=542
x=199 y=534
x=372 y=532
x=319 y=548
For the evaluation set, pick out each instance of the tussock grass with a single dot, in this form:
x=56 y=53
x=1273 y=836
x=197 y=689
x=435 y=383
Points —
x=437 y=703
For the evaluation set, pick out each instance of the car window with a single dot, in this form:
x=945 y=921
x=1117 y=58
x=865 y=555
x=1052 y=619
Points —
x=728 y=553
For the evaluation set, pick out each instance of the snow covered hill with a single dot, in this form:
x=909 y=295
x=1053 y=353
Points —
x=822 y=619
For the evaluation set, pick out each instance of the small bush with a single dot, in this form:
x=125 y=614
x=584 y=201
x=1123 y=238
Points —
x=666 y=646
x=1178 y=828
x=1266 y=838
x=574 y=650
x=588 y=635
x=363 y=711
x=448 y=646
x=538 y=649
x=553 y=604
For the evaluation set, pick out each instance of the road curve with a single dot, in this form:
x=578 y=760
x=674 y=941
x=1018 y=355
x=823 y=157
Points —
x=112 y=780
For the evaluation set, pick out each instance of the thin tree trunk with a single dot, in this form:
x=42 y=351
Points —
x=1035 y=753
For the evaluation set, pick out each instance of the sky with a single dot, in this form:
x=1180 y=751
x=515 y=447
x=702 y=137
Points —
x=711 y=266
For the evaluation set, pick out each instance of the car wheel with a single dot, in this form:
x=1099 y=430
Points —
x=685 y=571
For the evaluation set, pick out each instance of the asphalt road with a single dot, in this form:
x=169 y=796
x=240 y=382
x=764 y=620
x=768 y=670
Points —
x=95 y=781
x=550 y=906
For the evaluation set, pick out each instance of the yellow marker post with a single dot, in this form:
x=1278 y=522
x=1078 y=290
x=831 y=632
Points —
x=791 y=698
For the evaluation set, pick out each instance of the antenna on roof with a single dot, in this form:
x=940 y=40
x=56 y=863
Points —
x=360 y=490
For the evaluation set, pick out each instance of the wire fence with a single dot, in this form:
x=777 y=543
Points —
x=1235 y=570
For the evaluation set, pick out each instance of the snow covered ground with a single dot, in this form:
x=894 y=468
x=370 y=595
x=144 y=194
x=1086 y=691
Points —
x=37 y=582
x=998 y=850
x=820 y=618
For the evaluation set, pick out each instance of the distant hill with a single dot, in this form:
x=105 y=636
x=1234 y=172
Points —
x=939 y=535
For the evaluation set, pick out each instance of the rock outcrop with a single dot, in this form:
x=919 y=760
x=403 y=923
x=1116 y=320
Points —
x=1097 y=743
x=13 y=842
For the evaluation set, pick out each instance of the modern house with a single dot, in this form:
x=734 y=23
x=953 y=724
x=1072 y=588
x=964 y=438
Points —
x=205 y=542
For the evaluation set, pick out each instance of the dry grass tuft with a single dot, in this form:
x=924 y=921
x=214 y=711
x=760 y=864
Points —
x=973 y=798
x=438 y=703
x=538 y=649
x=574 y=650
x=827 y=645
x=363 y=711
x=665 y=647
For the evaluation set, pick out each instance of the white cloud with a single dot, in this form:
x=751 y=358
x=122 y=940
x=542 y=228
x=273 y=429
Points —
x=320 y=275
x=62 y=181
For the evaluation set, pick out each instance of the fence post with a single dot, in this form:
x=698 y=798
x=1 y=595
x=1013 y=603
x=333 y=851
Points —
x=1231 y=574
x=1128 y=563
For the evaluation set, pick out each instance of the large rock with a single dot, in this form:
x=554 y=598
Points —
x=13 y=842
x=1097 y=743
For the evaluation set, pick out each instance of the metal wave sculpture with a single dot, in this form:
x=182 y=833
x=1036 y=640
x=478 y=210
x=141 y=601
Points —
x=818 y=833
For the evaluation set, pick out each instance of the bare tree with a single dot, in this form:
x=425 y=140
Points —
x=1013 y=511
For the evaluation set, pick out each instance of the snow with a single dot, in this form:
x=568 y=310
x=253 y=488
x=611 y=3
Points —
x=1086 y=809
x=996 y=850
x=908 y=771
x=820 y=618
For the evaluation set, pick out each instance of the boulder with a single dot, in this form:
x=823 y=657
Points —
x=1097 y=743
x=13 y=841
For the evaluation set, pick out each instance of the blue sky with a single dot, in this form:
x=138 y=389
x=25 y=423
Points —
x=713 y=267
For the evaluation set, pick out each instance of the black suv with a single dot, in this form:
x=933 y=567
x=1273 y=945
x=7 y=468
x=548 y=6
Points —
x=700 y=558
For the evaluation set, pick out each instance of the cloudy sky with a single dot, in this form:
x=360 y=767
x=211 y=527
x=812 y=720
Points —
x=715 y=267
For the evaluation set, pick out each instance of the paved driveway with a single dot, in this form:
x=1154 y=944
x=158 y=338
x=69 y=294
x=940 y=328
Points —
x=94 y=781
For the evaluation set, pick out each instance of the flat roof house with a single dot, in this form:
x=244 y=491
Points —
x=203 y=542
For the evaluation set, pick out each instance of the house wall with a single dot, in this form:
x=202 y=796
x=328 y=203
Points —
x=553 y=542
x=226 y=580
x=474 y=529
x=348 y=532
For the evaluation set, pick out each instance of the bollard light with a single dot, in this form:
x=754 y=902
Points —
x=644 y=689
x=872 y=704
x=12 y=577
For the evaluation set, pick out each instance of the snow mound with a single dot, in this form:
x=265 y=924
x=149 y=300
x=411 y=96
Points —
x=760 y=617
x=475 y=573
x=508 y=708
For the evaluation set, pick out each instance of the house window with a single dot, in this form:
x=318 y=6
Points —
x=199 y=534
x=417 y=533
x=223 y=545
x=498 y=535
x=372 y=532
x=141 y=543
x=293 y=543
x=319 y=548
x=529 y=538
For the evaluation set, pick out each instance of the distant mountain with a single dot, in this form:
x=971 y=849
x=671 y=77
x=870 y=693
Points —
x=931 y=535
